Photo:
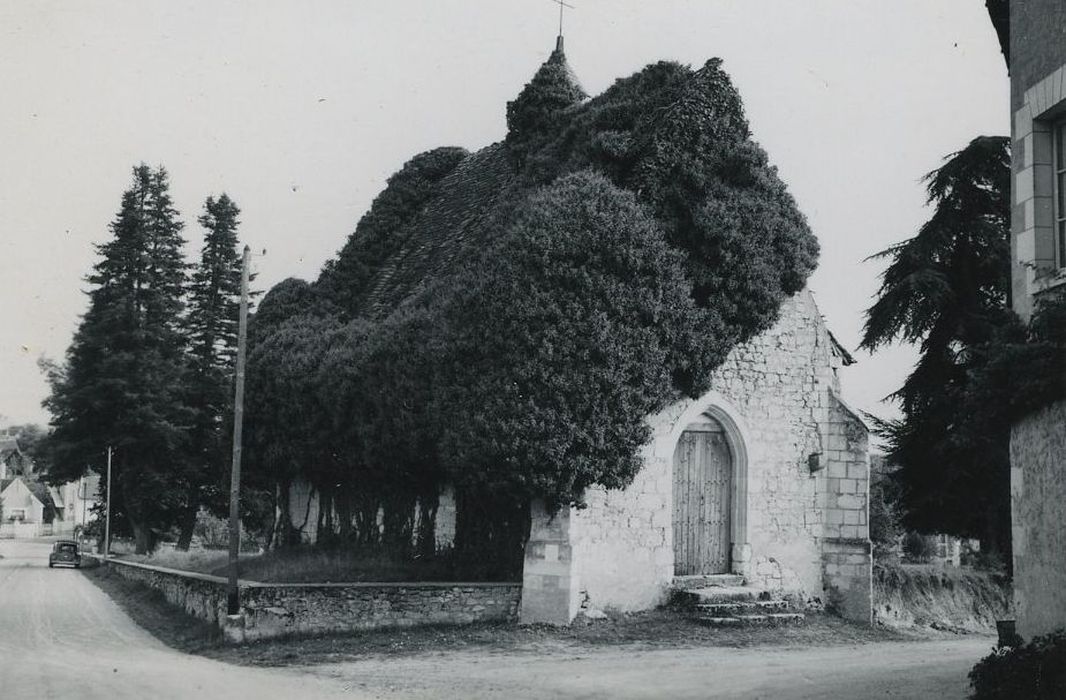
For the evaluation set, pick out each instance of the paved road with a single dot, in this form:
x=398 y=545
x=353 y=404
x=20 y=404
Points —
x=61 y=637
x=901 y=670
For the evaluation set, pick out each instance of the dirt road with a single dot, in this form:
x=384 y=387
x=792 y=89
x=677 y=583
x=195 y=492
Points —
x=61 y=637
x=882 y=670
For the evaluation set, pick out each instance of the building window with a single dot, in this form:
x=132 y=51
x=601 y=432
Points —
x=1058 y=134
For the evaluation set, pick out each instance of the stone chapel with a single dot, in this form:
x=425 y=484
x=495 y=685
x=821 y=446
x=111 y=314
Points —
x=758 y=488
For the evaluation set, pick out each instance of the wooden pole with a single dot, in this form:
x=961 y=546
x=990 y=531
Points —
x=107 y=520
x=233 y=597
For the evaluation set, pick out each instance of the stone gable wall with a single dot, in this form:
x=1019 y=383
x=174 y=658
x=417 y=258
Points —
x=846 y=550
x=778 y=389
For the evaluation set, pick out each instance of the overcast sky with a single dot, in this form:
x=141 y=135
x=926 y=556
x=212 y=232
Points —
x=300 y=110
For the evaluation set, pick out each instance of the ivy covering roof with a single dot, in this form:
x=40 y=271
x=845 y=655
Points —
x=447 y=226
x=507 y=319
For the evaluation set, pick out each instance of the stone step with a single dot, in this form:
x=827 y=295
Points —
x=685 y=583
x=744 y=607
x=750 y=619
x=725 y=594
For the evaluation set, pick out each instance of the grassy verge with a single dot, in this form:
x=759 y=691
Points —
x=311 y=565
x=937 y=597
x=149 y=609
x=654 y=629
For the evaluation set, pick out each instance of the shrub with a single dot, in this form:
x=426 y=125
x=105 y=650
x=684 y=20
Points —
x=1035 y=670
x=572 y=332
x=918 y=547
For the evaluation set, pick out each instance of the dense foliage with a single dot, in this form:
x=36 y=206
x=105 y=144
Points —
x=1020 y=370
x=1035 y=670
x=638 y=238
x=123 y=382
x=947 y=289
x=570 y=334
x=148 y=370
x=214 y=305
x=679 y=140
x=885 y=525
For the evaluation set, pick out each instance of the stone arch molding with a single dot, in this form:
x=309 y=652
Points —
x=715 y=405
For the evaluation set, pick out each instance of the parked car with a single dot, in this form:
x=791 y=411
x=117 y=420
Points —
x=65 y=552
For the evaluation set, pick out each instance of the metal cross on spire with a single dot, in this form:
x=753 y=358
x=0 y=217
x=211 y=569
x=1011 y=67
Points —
x=562 y=4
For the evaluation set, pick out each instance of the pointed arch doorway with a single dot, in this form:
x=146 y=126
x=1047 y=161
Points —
x=704 y=492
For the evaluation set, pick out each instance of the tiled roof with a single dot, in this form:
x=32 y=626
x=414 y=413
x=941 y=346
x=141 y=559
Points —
x=40 y=492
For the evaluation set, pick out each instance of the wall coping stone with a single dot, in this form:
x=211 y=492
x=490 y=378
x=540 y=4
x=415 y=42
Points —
x=245 y=583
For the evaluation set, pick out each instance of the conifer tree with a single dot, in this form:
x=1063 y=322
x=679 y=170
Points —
x=214 y=305
x=122 y=384
x=947 y=289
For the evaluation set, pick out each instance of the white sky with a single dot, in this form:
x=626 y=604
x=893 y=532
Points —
x=300 y=110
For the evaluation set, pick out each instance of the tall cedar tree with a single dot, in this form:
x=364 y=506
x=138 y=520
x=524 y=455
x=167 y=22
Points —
x=214 y=307
x=947 y=289
x=122 y=385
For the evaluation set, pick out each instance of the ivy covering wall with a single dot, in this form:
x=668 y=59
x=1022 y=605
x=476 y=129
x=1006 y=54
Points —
x=505 y=321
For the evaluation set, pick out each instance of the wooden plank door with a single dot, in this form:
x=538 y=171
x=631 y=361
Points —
x=702 y=487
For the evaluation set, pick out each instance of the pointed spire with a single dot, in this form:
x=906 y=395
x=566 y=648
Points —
x=554 y=87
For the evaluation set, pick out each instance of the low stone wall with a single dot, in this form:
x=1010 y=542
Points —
x=274 y=610
x=200 y=595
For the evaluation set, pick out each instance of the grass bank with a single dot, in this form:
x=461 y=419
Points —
x=311 y=565
x=941 y=598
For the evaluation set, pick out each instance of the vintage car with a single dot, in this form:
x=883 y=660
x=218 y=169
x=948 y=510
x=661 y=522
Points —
x=65 y=552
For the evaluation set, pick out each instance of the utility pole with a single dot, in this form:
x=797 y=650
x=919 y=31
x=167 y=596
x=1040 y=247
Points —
x=81 y=495
x=107 y=521
x=233 y=605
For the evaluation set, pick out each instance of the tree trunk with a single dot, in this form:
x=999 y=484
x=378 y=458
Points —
x=427 y=522
x=269 y=544
x=188 y=520
x=142 y=536
x=326 y=535
x=284 y=530
x=344 y=514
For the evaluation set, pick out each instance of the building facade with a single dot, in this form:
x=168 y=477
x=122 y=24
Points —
x=766 y=476
x=1037 y=59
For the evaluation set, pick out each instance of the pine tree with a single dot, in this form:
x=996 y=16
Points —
x=214 y=306
x=122 y=385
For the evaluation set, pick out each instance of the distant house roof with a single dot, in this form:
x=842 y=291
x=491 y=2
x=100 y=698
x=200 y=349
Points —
x=36 y=489
x=40 y=492
x=9 y=446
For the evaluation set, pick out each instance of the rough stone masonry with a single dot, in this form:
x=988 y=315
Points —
x=799 y=491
